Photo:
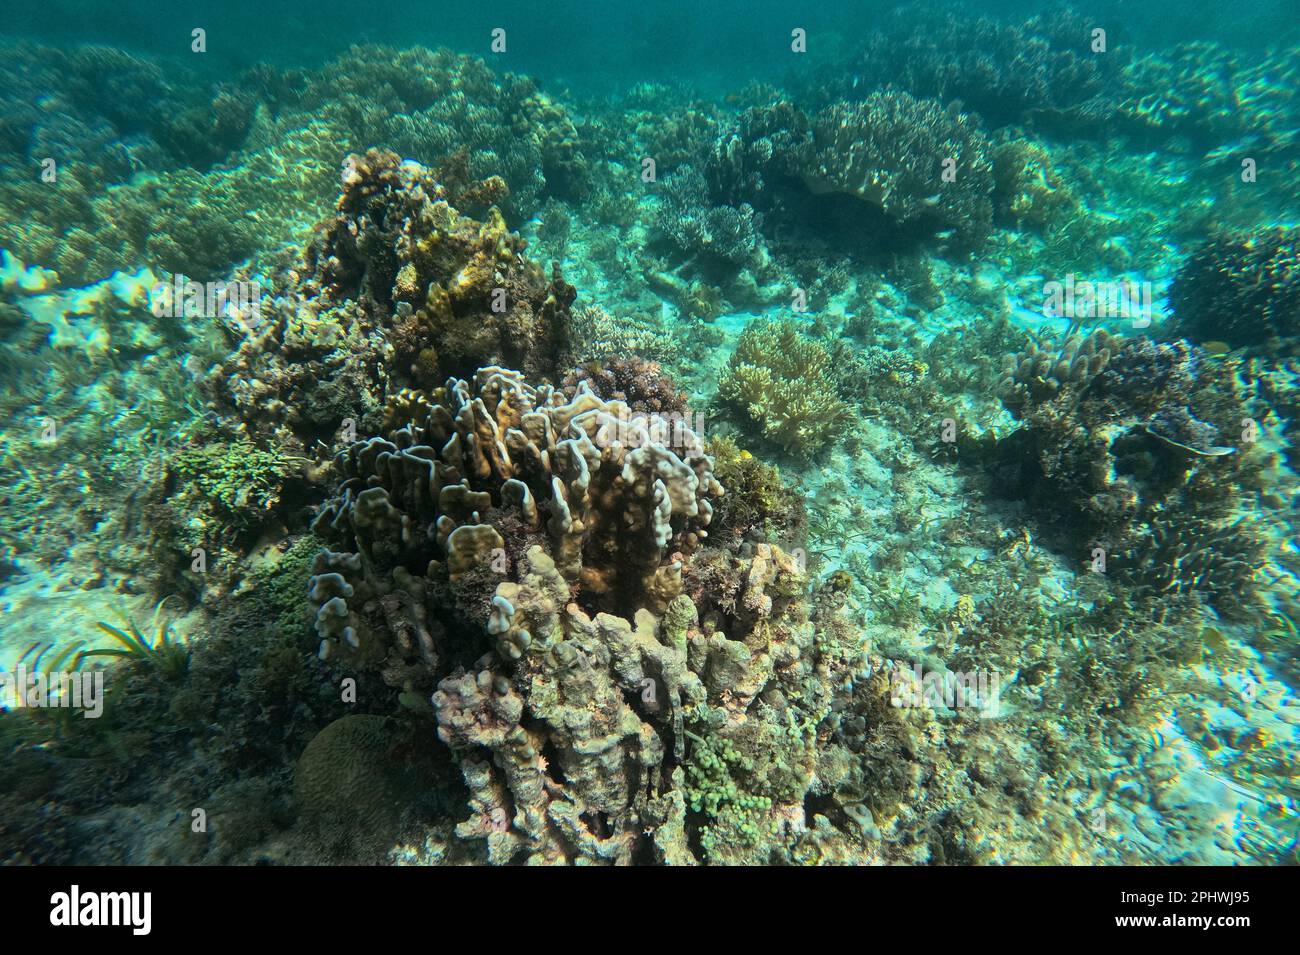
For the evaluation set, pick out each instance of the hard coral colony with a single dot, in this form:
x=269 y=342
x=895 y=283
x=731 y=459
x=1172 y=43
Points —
x=678 y=476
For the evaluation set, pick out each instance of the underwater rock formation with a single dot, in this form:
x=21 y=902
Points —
x=397 y=290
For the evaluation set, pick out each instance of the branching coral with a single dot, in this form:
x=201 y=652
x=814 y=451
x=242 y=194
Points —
x=783 y=382
x=1127 y=439
x=722 y=235
x=920 y=164
x=1243 y=290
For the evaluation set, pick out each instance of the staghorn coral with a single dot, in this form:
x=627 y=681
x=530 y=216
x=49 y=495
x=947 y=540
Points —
x=782 y=382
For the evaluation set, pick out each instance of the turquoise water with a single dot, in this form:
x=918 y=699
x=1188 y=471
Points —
x=762 y=434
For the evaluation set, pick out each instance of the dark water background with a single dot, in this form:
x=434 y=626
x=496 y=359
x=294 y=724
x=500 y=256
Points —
x=585 y=44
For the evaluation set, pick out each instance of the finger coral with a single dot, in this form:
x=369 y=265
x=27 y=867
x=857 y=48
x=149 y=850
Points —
x=542 y=565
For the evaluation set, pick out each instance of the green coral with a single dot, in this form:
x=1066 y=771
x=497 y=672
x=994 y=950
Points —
x=237 y=481
x=784 y=382
x=756 y=495
x=737 y=818
x=279 y=582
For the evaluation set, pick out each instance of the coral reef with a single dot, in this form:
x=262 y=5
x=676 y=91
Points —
x=782 y=382
x=921 y=168
x=642 y=385
x=1127 y=438
x=726 y=236
x=1038 y=69
x=396 y=290
x=593 y=631
x=1243 y=290
x=239 y=169
x=454 y=574
x=892 y=150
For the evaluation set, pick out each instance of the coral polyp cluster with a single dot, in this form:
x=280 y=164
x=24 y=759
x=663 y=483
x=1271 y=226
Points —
x=783 y=381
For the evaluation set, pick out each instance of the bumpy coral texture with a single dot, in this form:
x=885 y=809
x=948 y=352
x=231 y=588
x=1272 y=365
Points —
x=541 y=565
x=398 y=289
x=641 y=384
